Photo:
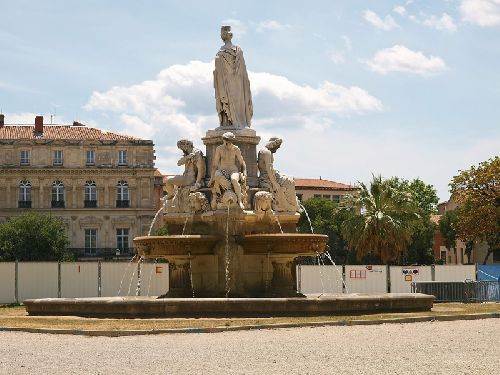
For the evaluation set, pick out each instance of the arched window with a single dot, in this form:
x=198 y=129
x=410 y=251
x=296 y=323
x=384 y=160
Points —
x=25 y=194
x=122 y=197
x=90 y=194
x=57 y=194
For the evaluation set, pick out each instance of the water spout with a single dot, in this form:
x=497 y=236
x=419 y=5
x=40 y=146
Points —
x=228 y=276
x=125 y=272
x=157 y=215
x=277 y=221
x=191 y=273
x=308 y=218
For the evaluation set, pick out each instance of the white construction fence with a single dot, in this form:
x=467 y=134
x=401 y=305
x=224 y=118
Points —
x=25 y=280
x=375 y=278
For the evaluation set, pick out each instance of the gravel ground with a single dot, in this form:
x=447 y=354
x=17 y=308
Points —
x=459 y=347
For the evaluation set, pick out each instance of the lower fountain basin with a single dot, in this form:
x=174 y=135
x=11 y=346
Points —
x=285 y=243
x=133 y=307
x=180 y=245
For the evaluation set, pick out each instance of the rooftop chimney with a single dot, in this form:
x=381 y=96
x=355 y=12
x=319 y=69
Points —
x=39 y=124
x=2 y=120
x=76 y=123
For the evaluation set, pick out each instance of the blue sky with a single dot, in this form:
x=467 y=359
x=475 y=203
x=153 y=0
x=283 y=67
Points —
x=406 y=88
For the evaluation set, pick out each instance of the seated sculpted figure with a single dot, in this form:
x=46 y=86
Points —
x=228 y=172
x=280 y=185
x=192 y=178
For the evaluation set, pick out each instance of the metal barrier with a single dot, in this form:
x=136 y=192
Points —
x=464 y=291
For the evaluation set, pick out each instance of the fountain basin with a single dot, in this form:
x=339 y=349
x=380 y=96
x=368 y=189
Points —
x=179 y=245
x=285 y=243
x=206 y=307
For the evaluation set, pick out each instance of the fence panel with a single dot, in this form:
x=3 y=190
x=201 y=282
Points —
x=366 y=279
x=79 y=279
x=403 y=276
x=7 y=282
x=118 y=278
x=154 y=279
x=455 y=272
x=37 y=280
x=319 y=279
x=488 y=272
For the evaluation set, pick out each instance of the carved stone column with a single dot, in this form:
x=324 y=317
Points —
x=179 y=278
x=283 y=283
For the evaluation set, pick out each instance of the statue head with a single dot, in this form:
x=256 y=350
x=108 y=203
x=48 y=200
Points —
x=274 y=143
x=228 y=137
x=225 y=33
x=185 y=145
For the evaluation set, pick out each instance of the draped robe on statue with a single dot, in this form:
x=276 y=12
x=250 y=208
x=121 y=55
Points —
x=232 y=88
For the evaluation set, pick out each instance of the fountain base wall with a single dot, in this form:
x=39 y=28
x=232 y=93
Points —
x=127 y=307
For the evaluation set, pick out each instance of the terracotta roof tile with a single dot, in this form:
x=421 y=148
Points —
x=313 y=183
x=65 y=132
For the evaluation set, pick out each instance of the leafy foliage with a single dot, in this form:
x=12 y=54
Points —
x=325 y=219
x=33 y=237
x=477 y=192
x=447 y=225
x=380 y=220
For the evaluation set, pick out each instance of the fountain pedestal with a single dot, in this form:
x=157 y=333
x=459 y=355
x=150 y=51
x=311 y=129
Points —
x=179 y=278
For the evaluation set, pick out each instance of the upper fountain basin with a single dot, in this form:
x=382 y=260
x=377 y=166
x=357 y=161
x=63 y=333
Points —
x=158 y=246
x=285 y=243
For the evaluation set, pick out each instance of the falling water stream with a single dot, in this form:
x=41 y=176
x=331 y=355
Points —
x=139 y=274
x=308 y=218
x=184 y=227
x=277 y=221
x=191 y=273
x=125 y=272
x=228 y=278
x=339 y=275
x=151 y=274
x=157 y=215
x=132 y=277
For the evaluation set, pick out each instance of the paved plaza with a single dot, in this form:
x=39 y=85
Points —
x=458 y=347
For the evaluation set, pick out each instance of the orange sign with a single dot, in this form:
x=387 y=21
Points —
x=159 y=269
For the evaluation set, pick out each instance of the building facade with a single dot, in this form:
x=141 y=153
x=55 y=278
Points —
x=307 y=188
x=102 y=185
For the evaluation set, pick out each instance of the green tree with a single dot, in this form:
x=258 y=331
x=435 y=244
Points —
x=379 y=221
x=447 y=225
x=33 y=237
x=477 y=192
x=425 y=200
x=325 y=219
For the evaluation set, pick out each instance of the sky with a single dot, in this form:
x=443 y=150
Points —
x=354 y=88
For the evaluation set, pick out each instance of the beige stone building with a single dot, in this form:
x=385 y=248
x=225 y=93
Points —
x=101 y=184
x=307 y=188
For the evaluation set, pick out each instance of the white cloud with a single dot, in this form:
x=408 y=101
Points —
x=347 y=42
x=402 y=59
x=445 y=22
x=401 y=10
x=481 y=12
x=179 y=103
x=272 y=25
x=238 y=27
x=337 y=58
x=385 y=24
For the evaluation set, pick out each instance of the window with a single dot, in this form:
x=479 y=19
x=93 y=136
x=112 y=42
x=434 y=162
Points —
x=443 y=256
x=25 y=157
x=122 y=240
x=58 y=157
x=90 y=241
x=122 y=157
x=327 y=196
x=336 y=198
x=25 y=194
x=317 y=195
x=57 y=194
x=90 y=157
x=90 y=195
x=122 y=197
x=299 y=196
x=496 y=256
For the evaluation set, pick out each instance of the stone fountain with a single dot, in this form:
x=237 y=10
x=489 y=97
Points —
x=231 y=218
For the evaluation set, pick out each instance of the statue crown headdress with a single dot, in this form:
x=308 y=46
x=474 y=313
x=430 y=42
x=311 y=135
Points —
x=225 y=28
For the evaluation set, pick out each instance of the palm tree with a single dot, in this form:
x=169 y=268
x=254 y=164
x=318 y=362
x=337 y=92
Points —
x=380 y=220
